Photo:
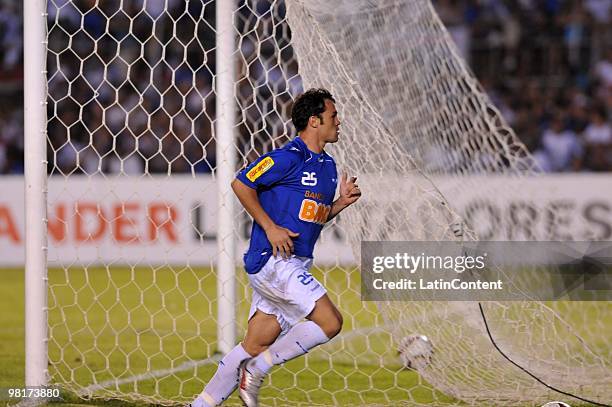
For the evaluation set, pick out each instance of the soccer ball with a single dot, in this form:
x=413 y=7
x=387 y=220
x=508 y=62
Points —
x=415 y=351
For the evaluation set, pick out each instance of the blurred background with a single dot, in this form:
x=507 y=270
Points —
x=546 y=64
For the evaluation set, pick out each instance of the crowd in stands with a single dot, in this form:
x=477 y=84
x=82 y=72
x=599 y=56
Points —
x=546 y=64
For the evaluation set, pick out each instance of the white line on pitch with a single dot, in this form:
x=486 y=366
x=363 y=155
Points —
x=191 y=364
x=149 y=375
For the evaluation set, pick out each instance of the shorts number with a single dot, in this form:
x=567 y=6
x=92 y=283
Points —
x=305 y=278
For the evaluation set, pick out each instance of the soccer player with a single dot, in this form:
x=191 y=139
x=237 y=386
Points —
x=289 y=193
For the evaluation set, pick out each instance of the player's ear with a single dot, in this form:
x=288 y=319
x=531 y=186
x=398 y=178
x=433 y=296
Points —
x=314 y=121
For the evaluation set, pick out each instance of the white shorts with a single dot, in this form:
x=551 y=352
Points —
x=284 y=288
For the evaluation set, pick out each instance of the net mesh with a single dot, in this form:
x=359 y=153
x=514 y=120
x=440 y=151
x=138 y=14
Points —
x=419 y=127
x=131 y=135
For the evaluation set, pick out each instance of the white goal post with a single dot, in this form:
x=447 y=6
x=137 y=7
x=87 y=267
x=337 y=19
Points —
x=35 y=150
x=226 y=164
x=139 y=113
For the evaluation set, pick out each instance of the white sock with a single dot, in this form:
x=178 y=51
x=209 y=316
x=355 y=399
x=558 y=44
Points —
x=225 y=380
x=298 y=341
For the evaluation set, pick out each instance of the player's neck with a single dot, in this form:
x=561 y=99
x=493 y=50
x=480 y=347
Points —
x=312 y=142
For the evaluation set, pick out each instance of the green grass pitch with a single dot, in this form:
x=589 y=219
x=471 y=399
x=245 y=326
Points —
x=154 y=330
x=162 y=321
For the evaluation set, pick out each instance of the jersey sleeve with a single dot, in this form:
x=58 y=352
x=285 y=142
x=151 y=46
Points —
x=269 y=169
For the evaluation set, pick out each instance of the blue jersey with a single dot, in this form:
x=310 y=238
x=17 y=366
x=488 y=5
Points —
x=296 y=188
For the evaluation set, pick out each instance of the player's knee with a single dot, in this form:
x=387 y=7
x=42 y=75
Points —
x=253 y=349
x=340 y=321
x=333 y=325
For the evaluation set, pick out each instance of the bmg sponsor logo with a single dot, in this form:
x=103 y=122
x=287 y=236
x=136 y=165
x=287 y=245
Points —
x=311 y=211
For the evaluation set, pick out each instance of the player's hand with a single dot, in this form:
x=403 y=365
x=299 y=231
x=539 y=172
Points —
x=281 y=240
x=349 y=190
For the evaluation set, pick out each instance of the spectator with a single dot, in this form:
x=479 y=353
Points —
x=603 y=69
x=561 y=150
x=12 y=41
x=599 y=10
x=125 y=160
x=452 y=16
x=598 y=142
x=114 y=102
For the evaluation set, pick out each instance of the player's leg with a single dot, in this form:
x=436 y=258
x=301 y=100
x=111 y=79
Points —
x=262 y=330
x=324 y=322
x=297 y=295
x=327 y=316
x=224 y=381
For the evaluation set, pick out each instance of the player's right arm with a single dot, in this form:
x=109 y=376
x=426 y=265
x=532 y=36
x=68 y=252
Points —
x=280 y=238
x=266 y=172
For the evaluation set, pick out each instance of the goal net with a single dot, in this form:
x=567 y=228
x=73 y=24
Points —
x=133 y=163
x=413 y=113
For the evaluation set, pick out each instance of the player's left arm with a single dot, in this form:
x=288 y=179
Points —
x=349 y=194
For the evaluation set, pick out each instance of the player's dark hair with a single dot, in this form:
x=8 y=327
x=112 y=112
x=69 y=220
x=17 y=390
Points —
x=309 y=103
